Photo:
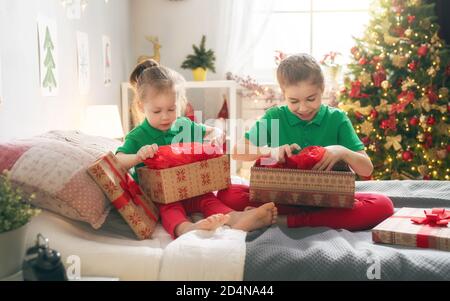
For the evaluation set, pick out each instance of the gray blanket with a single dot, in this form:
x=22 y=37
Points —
x=280 y=253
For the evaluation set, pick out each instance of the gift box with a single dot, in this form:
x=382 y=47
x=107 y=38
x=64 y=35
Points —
x=303 y=187
x=182 y=182
x=125 y=195
x=416 y=228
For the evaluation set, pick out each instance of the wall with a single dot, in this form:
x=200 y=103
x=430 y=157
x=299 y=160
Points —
x=24 y=111
x=179 y=24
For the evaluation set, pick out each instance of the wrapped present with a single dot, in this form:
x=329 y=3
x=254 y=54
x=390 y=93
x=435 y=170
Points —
x=302 y=187
x=126 y=196
x=415 y=227
x=182 y=182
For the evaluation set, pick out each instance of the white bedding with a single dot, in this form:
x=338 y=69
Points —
x=113 y=251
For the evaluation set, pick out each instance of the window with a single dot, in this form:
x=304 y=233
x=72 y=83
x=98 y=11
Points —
x=312 y=26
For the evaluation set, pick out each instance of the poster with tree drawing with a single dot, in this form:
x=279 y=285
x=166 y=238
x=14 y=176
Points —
x=48 y=54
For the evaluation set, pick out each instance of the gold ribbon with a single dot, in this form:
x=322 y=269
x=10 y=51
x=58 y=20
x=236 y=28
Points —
x=356 y=106
x=393 y=141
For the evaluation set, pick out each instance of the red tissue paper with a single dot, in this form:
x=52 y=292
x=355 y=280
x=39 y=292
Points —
x=174 y=155
x=305 y=160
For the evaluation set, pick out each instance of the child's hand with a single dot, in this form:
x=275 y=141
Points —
x=333 y=154
x=217 y=137
x=147 y=151
x=277 y=155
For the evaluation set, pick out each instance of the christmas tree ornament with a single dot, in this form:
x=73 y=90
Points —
x=422 y=50
x=394 y=142
x=411 y=19
x=431 y=120
x=408 y=32
x=365 y=79
x=374 y=114
x=413 y=121
x=399 y=60
x=407 y=156
x=366 y=128
x=385 y=84
x=378 y=77
x=412 y=66
x=431 y=72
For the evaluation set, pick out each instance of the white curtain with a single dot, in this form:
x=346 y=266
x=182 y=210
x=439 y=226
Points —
x=242 y=23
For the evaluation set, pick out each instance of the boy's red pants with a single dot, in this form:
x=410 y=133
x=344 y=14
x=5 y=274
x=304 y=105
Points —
x=369 y=210
x=176 y=213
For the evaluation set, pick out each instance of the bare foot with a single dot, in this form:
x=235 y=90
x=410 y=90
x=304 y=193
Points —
x=254 y=219
x=212 y=222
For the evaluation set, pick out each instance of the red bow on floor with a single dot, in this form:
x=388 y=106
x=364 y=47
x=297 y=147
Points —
x=437 y=217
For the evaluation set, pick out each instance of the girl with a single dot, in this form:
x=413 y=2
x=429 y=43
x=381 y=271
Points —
x=303 y=122
x=159 y=96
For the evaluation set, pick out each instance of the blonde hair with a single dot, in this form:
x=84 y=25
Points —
x=150 y=73
x=298 y=68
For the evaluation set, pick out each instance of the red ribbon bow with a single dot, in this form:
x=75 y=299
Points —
x=131 y=192
x=437 y=217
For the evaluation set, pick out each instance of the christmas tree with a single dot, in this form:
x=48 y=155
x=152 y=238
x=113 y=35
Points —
x=49 y=63
x=397 y=92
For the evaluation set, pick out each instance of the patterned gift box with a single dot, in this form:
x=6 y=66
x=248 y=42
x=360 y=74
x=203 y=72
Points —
x=399 y=229
x=302 y=187
x=178 y=183
x=125 y=195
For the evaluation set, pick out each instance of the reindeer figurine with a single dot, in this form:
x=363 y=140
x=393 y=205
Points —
x=156 y=47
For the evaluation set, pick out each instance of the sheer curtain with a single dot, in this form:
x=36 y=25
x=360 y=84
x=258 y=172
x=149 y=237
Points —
x=242 y=24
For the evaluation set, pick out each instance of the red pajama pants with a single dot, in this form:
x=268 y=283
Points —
x=176 y=213
x=369 y=210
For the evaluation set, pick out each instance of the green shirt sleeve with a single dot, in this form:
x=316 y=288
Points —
x=347 y=136
x=259 y=134
x=130 y=146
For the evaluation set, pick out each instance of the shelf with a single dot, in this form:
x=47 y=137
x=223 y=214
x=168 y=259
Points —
x=211 y=84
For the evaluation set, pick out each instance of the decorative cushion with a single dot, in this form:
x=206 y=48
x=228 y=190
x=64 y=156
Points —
x=53 y=166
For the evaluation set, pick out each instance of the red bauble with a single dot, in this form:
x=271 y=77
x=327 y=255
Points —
x=412 y=66
x=447 y=70
x=399 y=31
x=407 y=156
x=363 y=61
x=374 y=114
x=423 y=50
x=411 y=19
x=384 y=124
x=365 y=140
x=427 y=177
x=414 y=121
x=431 y=120
x=359 y=116
x=448 y=148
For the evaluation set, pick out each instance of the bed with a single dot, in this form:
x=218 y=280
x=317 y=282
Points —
x=275 y=253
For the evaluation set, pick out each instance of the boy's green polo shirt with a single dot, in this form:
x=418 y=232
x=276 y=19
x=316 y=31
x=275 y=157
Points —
x=330 y=126
x=145 y=134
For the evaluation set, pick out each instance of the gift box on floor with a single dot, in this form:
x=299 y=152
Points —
x=126 y=196
x=303 y=187
x=426 y=232
x=179 y=183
